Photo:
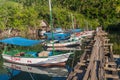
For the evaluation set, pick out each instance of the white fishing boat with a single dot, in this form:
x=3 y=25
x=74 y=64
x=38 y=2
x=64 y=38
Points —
x=84 y=34
x=29 y=57
x=48 y=61
x=64 y=43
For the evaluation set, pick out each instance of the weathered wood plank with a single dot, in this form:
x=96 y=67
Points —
x=111 y=76
x=78 y=71
x=111 y=63
x=110 y=69
x=82 y=64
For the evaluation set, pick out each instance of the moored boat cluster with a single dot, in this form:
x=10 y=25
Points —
x=61 y=45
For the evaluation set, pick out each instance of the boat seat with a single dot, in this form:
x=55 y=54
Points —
x=43 y=54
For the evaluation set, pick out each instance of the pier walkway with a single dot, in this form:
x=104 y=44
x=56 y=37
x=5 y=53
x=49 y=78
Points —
x=97 y=62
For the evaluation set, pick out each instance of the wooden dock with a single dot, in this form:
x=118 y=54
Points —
x=97 y=62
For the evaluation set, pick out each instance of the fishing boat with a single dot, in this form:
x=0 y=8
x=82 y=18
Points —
x=31 y=57
x=64 y=43
x=74 y=40
x=63 y=39
x=57 y=35
x=84 y=34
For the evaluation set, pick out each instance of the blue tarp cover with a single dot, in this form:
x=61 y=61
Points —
x=57 y=36
x=75 y=30
x=20 y=41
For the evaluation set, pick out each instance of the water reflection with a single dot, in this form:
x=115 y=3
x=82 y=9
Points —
x=8 y=73
x=36 y=73
x=13 y=71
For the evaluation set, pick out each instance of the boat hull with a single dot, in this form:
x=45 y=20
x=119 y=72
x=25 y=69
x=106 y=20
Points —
x=67 y=44
x=58 y=60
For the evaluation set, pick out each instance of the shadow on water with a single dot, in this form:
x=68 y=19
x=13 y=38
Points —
x=73 y=59
x=118 y=64
x=6 y=73
x=114 y=35
x=114 y=29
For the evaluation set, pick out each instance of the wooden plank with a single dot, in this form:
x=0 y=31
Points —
x=111 y=63
x=111 y=76
x=78 y=71
x=110 y=69
x=75 y=78
x=106 y=40
x=92 y=59
x=81 y=64
x=71 y=75
x=83 y=61
x=105 y=37
x=116 y=56
x=106 y=48
x=118 y=69
x=102 y=34
x=110 y=44
x=106 y=51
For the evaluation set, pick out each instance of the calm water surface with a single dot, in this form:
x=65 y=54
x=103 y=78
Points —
x=10 y=71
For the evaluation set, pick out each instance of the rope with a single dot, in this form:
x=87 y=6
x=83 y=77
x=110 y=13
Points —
x=30 y=74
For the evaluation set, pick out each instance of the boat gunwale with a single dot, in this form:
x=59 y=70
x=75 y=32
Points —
x=37 y=57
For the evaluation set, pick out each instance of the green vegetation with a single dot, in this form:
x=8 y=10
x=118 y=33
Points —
x=28 y=13
x=21 y=14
